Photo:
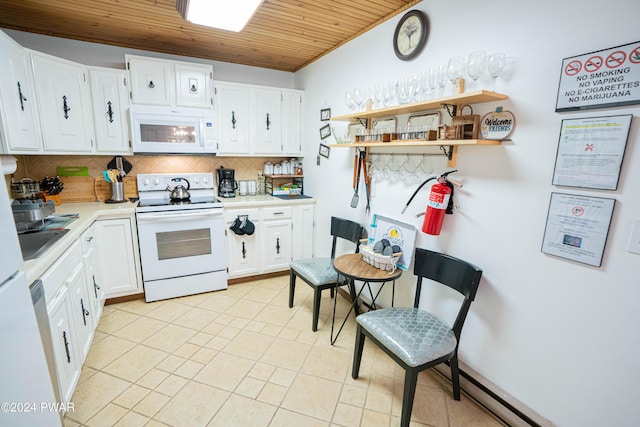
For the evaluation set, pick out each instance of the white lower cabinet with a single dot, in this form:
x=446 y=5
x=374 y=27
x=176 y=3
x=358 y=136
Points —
x=243 y=250
x=72 y=330
x=276 y=246
x=64 y=343
x=96 y=292
x=282 y=233
x=117 y=259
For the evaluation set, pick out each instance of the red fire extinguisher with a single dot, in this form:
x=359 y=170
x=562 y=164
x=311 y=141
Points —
x=436 y=208
x=440 y=203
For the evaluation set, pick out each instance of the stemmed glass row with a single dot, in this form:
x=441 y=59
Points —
x=424 y=85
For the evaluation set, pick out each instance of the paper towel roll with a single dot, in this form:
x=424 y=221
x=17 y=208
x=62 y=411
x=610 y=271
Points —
x=8 y=164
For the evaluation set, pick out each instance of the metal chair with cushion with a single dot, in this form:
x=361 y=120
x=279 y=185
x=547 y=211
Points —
x=319 y=272
x=414 y=338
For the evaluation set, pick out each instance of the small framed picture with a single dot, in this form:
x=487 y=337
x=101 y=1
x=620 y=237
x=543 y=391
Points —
x=325 y=114
x=324 y=150
x=325 y=131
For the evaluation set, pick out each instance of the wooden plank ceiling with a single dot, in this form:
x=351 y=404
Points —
x=282 y=35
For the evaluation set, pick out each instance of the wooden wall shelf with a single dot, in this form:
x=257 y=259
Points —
x=477 y=97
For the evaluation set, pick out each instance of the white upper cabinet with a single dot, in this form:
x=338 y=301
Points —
x=292 y=101
x=232 y=113
x=258 y=120
x=64 y=104
x=194 y=84
x=110 y=100
x=19 y=122
x=267 y=110
x=169 y=83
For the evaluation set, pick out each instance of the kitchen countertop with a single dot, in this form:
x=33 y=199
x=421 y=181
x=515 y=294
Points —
x=89 y=212
x=263 y=200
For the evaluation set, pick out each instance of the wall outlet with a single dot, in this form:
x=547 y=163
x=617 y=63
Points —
x=634 y=239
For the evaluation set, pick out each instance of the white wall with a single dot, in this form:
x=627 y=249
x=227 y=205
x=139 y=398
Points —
x=557 y=335
x=101 y=55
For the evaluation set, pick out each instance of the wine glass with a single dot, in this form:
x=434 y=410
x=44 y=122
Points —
x=476 y=65
x=442 y=78
x=495 y=64
x=454 y=71
x=433 y=80
x=348 y=99
x=358 y=97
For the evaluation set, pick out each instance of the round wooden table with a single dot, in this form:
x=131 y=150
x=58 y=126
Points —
x=353 y=267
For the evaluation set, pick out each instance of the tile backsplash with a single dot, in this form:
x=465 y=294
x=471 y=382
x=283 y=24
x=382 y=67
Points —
x=39 y=166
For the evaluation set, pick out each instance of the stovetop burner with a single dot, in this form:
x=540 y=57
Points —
x=155 y=192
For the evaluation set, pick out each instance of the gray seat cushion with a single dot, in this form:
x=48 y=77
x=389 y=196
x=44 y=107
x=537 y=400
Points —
x=317 y=271
x=415 y=336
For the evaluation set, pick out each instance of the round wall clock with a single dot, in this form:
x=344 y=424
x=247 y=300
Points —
x=410 y=35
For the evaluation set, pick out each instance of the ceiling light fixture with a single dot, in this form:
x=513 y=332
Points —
x=223 y=14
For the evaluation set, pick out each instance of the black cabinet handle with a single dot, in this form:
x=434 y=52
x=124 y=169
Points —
x=233 y=119
x=21 y=96
x=85 y=312
x=65 y=107
x=96 y=287
x=268 y=121
x=151 y=85
x=66 y=346
x=244 y=251
x=110 y=112
x=277 y=245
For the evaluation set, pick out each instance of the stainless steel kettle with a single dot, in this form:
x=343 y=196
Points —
x=179 y=193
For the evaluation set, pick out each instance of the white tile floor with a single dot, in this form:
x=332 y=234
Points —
x=242 y=357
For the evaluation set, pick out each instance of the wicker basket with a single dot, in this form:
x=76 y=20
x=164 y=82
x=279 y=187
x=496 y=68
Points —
x=383 y=262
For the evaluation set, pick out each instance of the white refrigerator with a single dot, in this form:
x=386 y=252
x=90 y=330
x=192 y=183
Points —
x=27 y=395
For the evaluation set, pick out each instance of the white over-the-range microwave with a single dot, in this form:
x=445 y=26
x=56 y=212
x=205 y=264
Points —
x=172 y=130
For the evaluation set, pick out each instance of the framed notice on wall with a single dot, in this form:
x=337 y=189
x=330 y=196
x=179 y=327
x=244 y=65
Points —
x=590 y=151
x=577 y=227
x=605 y=78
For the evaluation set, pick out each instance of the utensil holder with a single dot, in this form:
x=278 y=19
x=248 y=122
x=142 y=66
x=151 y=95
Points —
x=117 y=191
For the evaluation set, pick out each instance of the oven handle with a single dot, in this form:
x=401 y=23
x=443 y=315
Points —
x=175 y=216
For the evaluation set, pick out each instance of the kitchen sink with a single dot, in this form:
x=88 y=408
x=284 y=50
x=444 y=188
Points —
x=35 y=244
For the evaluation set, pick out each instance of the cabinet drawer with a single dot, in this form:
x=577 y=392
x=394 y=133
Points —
x=61 y=270
x=276 y=213
x=232 y=214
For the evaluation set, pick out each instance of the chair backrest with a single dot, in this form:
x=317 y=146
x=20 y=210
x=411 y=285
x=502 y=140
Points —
x=345 y=229
x=455 y=273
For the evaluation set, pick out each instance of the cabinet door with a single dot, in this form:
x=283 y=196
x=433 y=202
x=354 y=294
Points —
x=276 y=248
x=64 y=343
x=81 y=311
x=64 y=104
x=20 y=126
x=118 y=264
x=302 y=236
x=110 y=106
x=267 y=115
x=95 y=291
x=151 y=80
x=292 y=107
x=194 y=85
x=232 y=112
x=243 y=254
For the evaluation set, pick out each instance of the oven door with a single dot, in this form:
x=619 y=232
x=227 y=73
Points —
x=181 y=243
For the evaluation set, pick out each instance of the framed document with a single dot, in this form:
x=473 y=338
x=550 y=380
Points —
x=590 y=151
x=577 y=227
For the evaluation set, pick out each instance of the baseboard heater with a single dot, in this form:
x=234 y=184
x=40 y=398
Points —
x=503 y=406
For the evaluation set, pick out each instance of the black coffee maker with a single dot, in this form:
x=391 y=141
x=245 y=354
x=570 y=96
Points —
x=227 y=185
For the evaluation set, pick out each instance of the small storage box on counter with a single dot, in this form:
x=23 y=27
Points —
x=284 y=185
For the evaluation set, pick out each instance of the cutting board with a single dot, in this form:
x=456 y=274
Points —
x=103 y=188
x=77 y=189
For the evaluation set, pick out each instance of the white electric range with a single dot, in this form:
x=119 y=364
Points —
x=182 y=242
